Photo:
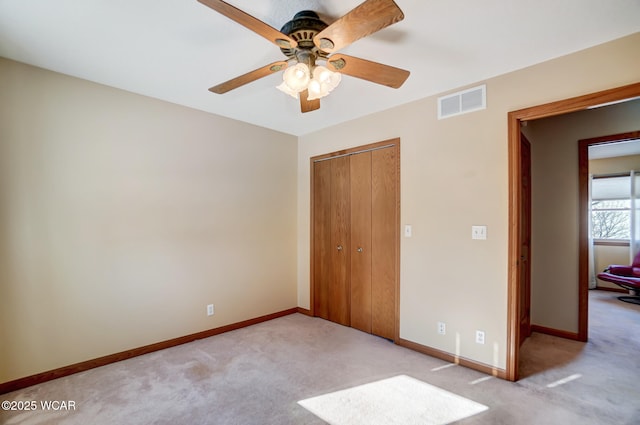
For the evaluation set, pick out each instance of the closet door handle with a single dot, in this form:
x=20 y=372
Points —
x=359 y=249
x=339 y=247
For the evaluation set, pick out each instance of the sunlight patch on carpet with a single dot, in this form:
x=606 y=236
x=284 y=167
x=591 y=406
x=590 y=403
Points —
x=398 y=400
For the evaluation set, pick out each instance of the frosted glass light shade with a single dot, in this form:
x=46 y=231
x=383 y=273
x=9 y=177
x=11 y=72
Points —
x=324 y=76
x=285 y=89
x=317 y=90
x=323 y=82
x=297 y=77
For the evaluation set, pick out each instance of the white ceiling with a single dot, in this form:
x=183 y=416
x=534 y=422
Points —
x=175 y=50
x=612 y=150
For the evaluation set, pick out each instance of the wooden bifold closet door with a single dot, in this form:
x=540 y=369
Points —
x=355 y=239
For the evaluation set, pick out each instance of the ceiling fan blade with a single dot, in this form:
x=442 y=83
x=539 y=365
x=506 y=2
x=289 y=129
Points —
x=254 y=24
x=308 y=105
x=371 y=71
x=248 y=77
x=364 y=20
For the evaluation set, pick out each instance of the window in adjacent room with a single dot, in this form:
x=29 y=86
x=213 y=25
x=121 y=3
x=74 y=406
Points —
x=611 y=208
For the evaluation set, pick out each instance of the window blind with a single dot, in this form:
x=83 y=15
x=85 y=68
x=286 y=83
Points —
x=609 y=188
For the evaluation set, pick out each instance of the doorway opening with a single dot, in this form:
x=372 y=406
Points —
x=515 y=251
x=608 y=169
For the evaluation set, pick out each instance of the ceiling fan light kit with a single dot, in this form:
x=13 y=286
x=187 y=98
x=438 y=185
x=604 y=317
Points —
x=306 y=39
x=319 y=82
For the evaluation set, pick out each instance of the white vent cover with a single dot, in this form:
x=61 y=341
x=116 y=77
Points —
x=469 y=100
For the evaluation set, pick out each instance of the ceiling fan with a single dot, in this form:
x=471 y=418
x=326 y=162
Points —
x=306 y=40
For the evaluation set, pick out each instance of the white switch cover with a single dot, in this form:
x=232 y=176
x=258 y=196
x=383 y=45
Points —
x=478 y=232
x=407 y=230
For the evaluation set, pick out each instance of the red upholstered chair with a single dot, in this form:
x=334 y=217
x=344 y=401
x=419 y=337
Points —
x=627 y=277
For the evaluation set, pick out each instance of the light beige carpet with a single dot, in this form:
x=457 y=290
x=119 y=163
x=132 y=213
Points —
x=256 y=375
x=399 y=400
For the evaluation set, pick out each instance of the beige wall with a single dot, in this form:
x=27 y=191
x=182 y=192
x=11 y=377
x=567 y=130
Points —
x=555 y=209
x=454 y=175
x=619 y=164
x=122 y=216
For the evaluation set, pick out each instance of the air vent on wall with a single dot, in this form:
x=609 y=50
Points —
x=469 y=100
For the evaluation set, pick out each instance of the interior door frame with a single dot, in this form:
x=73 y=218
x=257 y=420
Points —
x=395 y=143
x=526 y=231
x=583 y=155
x=515 y=118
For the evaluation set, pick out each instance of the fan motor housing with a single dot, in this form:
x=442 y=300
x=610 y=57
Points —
x=302 y=28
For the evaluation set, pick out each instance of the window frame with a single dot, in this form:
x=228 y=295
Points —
x=612 y=241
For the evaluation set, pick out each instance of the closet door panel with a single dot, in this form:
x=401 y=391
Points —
x=384 y=236
x=339 y=294
x=322 y=248
x=361 y=241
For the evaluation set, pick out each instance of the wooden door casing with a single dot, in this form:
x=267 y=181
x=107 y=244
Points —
x=525 y=240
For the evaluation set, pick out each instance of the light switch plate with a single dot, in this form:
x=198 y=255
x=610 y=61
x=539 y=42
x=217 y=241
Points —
x=478 y=232
x=407 y=230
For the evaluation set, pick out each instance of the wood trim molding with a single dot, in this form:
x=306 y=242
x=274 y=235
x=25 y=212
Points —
x=583 y=241
x=39 y=378
x=606 y=288
x=356 y=149
x=514 y=120
x=579 y=103
x=443 y=355
x=398 y=238
x=312 y=296
x=514 y=244
x=304 y=311
x=612 y=138
x=556 y=332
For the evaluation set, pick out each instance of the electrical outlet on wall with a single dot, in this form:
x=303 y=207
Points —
x=479 y=337
x=210 y=310
x=442 y=328
x=479 y=232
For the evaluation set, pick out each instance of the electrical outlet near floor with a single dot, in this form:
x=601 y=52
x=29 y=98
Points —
x=210 y=310
x=479 y=337
x=442 y=328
